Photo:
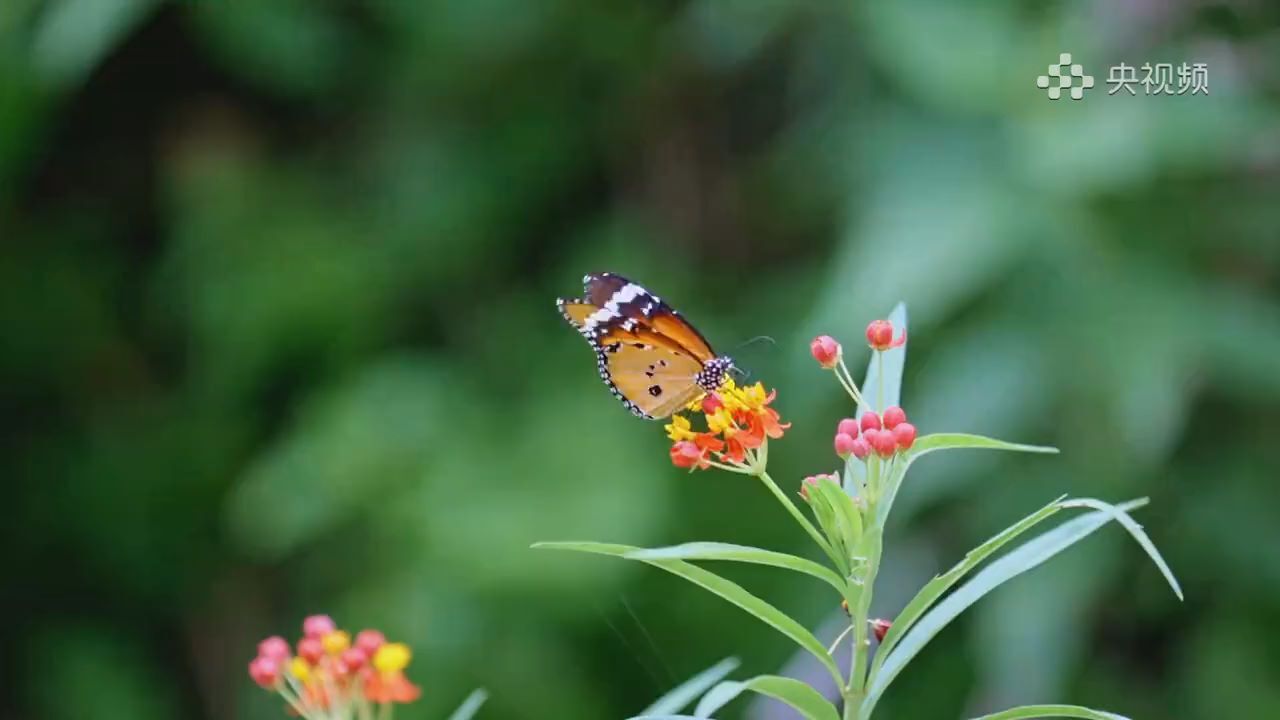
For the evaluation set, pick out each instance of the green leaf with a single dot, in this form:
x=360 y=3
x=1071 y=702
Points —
x=470 y=706
x=1119 y=515
x=799 y=695
x=944 y=441
x=847 y=519
x=686 y=692
x=1025 y=557
x=1047 y=711
x=739 y=553
x=934 y=589
x=726 y=589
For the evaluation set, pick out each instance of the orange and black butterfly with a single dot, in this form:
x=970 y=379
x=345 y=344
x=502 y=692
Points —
x=653 y=360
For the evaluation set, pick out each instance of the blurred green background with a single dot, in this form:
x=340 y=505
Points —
x=279 y=337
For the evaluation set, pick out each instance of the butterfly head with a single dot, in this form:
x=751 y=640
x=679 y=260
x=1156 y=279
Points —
x=714 y=373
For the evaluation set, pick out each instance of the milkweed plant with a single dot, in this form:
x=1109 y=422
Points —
x=328 y=675
x=846 y=517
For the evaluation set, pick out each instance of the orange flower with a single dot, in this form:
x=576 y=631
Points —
x=390 y=687
x=739 y=423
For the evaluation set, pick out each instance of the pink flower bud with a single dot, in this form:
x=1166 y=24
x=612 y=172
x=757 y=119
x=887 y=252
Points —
x=265 y=671
x=369 y=641
x=861 y=448
x=311 y=649
x=318 y=626
x=274 y=647
x=870 y=421
x=352 y=659
x=893 y=415
x=905 y=435
x=880 y=335
x=879 y=627
x=808 y=482
x=844 y=445
x=848 y=426
x=882 y=441
x=711 y=403
x=685 y=454
x=825 y=350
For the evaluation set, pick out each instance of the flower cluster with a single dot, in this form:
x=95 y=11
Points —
x=739 y=425
x=330 y=676
x=883 y=435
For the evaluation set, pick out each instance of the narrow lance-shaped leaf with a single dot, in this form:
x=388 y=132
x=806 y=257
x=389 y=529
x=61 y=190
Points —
x=686 y=692
x=470 y=706
x=943 y=441
x=1026 y=712
x=807 y=701
x=726 y=589
x=739 y=553
x=1025 y=557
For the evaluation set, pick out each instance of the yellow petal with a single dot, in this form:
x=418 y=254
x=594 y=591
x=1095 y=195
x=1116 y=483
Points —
x=300 y=669
x=392 y=657
x=336 y=642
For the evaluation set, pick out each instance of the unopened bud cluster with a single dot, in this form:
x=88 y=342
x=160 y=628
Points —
x=883 y=435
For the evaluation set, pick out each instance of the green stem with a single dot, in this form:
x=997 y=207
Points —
x=800 y=518
x=880 y=377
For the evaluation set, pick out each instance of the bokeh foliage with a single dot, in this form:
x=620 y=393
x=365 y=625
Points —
x=279 y=335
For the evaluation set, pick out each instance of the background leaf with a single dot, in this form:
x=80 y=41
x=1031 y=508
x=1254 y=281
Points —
x=679 y=697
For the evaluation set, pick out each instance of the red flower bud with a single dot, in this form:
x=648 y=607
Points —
x=825 y=350
x=861 y=448
x=369 y=641
x=274 y=647
x=311 y=649
x=848 y=426
x=353 y=659
x=685 y=454
x=905 y=435
x=711 y=403
x=882 y=441
x=893 y=415
x=844 y=445
x=265 y=671
x=880 y=335
x=870 y=421
x=879 y=627
x=318 y=626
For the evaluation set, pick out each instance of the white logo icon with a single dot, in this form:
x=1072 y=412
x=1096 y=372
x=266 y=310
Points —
x=1066 y=75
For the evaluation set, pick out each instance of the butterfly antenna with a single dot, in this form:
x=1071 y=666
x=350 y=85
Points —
x=758 y=338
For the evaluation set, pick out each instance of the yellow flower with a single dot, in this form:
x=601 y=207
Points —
x=752 y=397
x=392 y=657
x=336 y=642
x=300 y=669
x=720 y=421
x=680 y=429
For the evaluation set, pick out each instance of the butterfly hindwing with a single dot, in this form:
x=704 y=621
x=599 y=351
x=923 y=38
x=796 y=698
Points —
x=654 y=381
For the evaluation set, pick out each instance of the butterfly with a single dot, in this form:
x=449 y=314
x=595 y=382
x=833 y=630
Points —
x=651 y=358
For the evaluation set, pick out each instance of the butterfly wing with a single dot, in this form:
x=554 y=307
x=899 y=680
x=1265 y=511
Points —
x=647 y=354
x=653 y=381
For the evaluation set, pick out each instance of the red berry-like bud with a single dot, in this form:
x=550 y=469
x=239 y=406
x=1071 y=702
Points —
x=848 y=426
x=685 y=454
x=711 y=403
x=861 y=448
x=311 y=649
x=318 y=626
x=883 y=442
x=265 y=671
x=905 y=435
x=893 y=415
x=880 y=335
x=352 y=659
x=274 y=647
x=825 y=350
x=870 y=421
x=844 y=445
x=369 y=641
x=879 y=627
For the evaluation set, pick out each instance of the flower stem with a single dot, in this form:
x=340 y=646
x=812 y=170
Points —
x=800 y=518
x=846 y=380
